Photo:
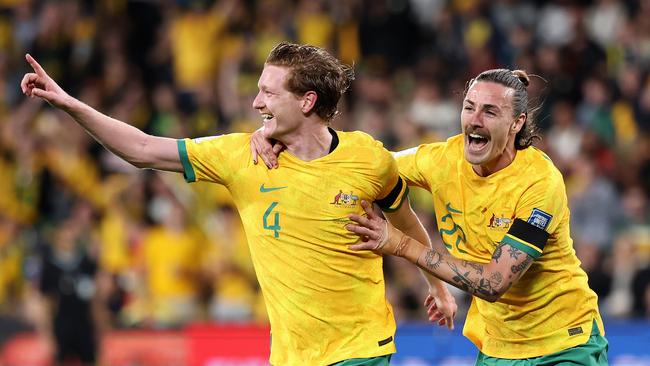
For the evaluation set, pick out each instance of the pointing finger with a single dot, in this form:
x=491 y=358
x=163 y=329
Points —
x=35 y=65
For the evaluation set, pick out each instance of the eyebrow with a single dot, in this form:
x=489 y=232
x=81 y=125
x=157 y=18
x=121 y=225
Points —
x=485 y=106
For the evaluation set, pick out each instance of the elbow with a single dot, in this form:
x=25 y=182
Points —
x=139 y=164
x=139 y=156
x=492 y=297
x=493 y=285
x=493 y=294
x=132 y=160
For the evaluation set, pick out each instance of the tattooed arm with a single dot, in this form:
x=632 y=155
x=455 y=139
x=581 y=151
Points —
x=489 y=281
x=486 y=280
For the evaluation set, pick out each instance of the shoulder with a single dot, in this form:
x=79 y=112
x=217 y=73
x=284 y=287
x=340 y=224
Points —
x=537 y=172
x=228 y=139
x=540 y=166
x=230 y=144
x=452 y=147
x=359 y=138
x=362 y=143
x=364 y=153
x=435 y=152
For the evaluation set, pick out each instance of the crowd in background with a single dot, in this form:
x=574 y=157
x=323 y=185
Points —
x=168 y=253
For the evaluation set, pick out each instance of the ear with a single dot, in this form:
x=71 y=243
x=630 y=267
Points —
x=518 y=123
x=308 y=101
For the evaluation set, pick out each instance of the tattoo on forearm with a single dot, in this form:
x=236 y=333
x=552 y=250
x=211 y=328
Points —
x=522 y=266
x=467 y=276
x=432 y=259
x=476 y=266
x=497 y=253
x=514 y=252
x=497 y=278
x=473 y=286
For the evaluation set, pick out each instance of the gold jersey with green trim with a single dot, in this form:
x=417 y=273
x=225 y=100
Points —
x=325 y=302
x=551 y=307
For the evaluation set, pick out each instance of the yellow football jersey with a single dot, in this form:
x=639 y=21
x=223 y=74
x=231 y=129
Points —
x=325 y=302
x=551 y=307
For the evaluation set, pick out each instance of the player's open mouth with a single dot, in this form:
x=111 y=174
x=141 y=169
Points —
x=476 y=142
x=266 y=117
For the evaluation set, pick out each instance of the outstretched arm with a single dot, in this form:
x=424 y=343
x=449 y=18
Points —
x=489 y=281
x=122 y=139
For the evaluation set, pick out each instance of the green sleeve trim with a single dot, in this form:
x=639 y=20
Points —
x=521 y=246
x=404 y=196
x=188 y=171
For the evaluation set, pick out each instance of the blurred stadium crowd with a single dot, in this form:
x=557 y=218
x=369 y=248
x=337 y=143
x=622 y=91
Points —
x=170 y=253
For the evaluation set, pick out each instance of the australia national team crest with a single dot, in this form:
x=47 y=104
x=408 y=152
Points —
x=343 y=199
x=500 y=222
x=539 y=218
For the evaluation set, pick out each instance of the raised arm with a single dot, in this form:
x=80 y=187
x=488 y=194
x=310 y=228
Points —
x=127 y=142
x=489 y=281
x=405 y=219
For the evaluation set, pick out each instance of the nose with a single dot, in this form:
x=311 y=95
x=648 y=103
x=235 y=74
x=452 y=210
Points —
x=475 y=119
x=257 y=102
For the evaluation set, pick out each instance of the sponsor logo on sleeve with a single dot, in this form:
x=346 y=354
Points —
x=539 y=218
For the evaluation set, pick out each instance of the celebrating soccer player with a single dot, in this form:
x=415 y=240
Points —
x=326 y=303
x=502 y=211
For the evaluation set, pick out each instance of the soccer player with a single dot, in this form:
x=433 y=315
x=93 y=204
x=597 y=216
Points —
x=326 y=303
x=502 y=212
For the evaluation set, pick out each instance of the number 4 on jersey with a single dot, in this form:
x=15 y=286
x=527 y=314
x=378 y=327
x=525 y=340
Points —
x=276 y=220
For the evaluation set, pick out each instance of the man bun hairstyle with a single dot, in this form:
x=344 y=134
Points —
x=518 y=80
x=313 y=69
x=522 y=76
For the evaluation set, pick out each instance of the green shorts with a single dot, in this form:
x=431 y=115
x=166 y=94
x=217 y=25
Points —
x=372 y=361
x=594 y=352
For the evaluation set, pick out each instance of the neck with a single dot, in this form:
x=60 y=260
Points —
x=494 y=166
x=309 y=143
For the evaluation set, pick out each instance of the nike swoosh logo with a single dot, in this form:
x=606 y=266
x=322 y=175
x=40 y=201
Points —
x=270 y=189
